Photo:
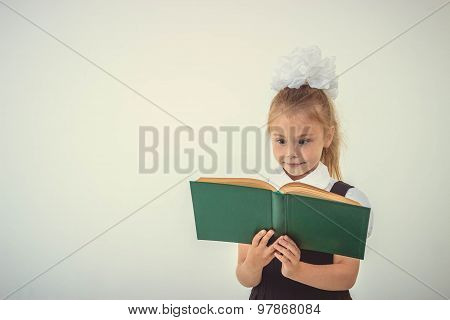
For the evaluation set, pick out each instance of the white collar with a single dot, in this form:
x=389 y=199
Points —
x=319 y=177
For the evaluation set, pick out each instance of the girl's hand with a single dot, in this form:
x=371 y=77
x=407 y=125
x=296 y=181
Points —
x=259 y=254
x=289 y=254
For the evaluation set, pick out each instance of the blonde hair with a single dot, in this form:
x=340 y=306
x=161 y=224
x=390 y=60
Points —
x=318 y=106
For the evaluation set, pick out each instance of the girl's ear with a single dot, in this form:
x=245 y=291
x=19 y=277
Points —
x=329 y=137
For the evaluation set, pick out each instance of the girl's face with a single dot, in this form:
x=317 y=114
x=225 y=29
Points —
x=297 y=143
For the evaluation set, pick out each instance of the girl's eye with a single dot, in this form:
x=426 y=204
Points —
x=304 y=141
x=280 y=140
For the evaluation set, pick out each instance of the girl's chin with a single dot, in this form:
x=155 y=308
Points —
x=294 y=170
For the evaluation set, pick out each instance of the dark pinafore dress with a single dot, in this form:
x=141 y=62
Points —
x=275 y=286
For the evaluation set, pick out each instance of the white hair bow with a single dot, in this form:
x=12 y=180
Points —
x=305 y=65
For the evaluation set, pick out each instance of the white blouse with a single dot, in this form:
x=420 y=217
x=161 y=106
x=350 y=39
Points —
x=321 y=178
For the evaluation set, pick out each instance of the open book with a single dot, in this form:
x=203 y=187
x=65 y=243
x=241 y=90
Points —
x=235 y=209
x=298 y=188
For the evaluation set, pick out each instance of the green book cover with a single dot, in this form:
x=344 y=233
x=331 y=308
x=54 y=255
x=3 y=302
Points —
x=232 y=213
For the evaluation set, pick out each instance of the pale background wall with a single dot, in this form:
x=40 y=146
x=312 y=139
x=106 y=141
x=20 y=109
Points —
x=69 y=138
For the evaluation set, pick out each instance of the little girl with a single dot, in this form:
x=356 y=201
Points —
x=305 y=136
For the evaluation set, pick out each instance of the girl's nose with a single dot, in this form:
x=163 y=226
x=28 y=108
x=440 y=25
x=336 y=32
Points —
x=292 y=152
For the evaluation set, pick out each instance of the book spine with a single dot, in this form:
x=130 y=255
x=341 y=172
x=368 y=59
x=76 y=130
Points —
x=278 y=214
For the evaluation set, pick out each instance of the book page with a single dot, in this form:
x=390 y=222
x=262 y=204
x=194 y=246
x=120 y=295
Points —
x=245 y=182
x=297 y=188
x=308 y=190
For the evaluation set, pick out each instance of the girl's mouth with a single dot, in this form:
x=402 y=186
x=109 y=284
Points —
x=295 y=164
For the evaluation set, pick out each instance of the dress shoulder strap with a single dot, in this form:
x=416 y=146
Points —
x=340 y=188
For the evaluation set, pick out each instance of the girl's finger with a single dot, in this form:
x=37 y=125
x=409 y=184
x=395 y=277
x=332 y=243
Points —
x=272 y=246
x=292 y=247
x=266 y=238
x=286 y=253
x=286 y=238
x=281 y=257
x=257 y=237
